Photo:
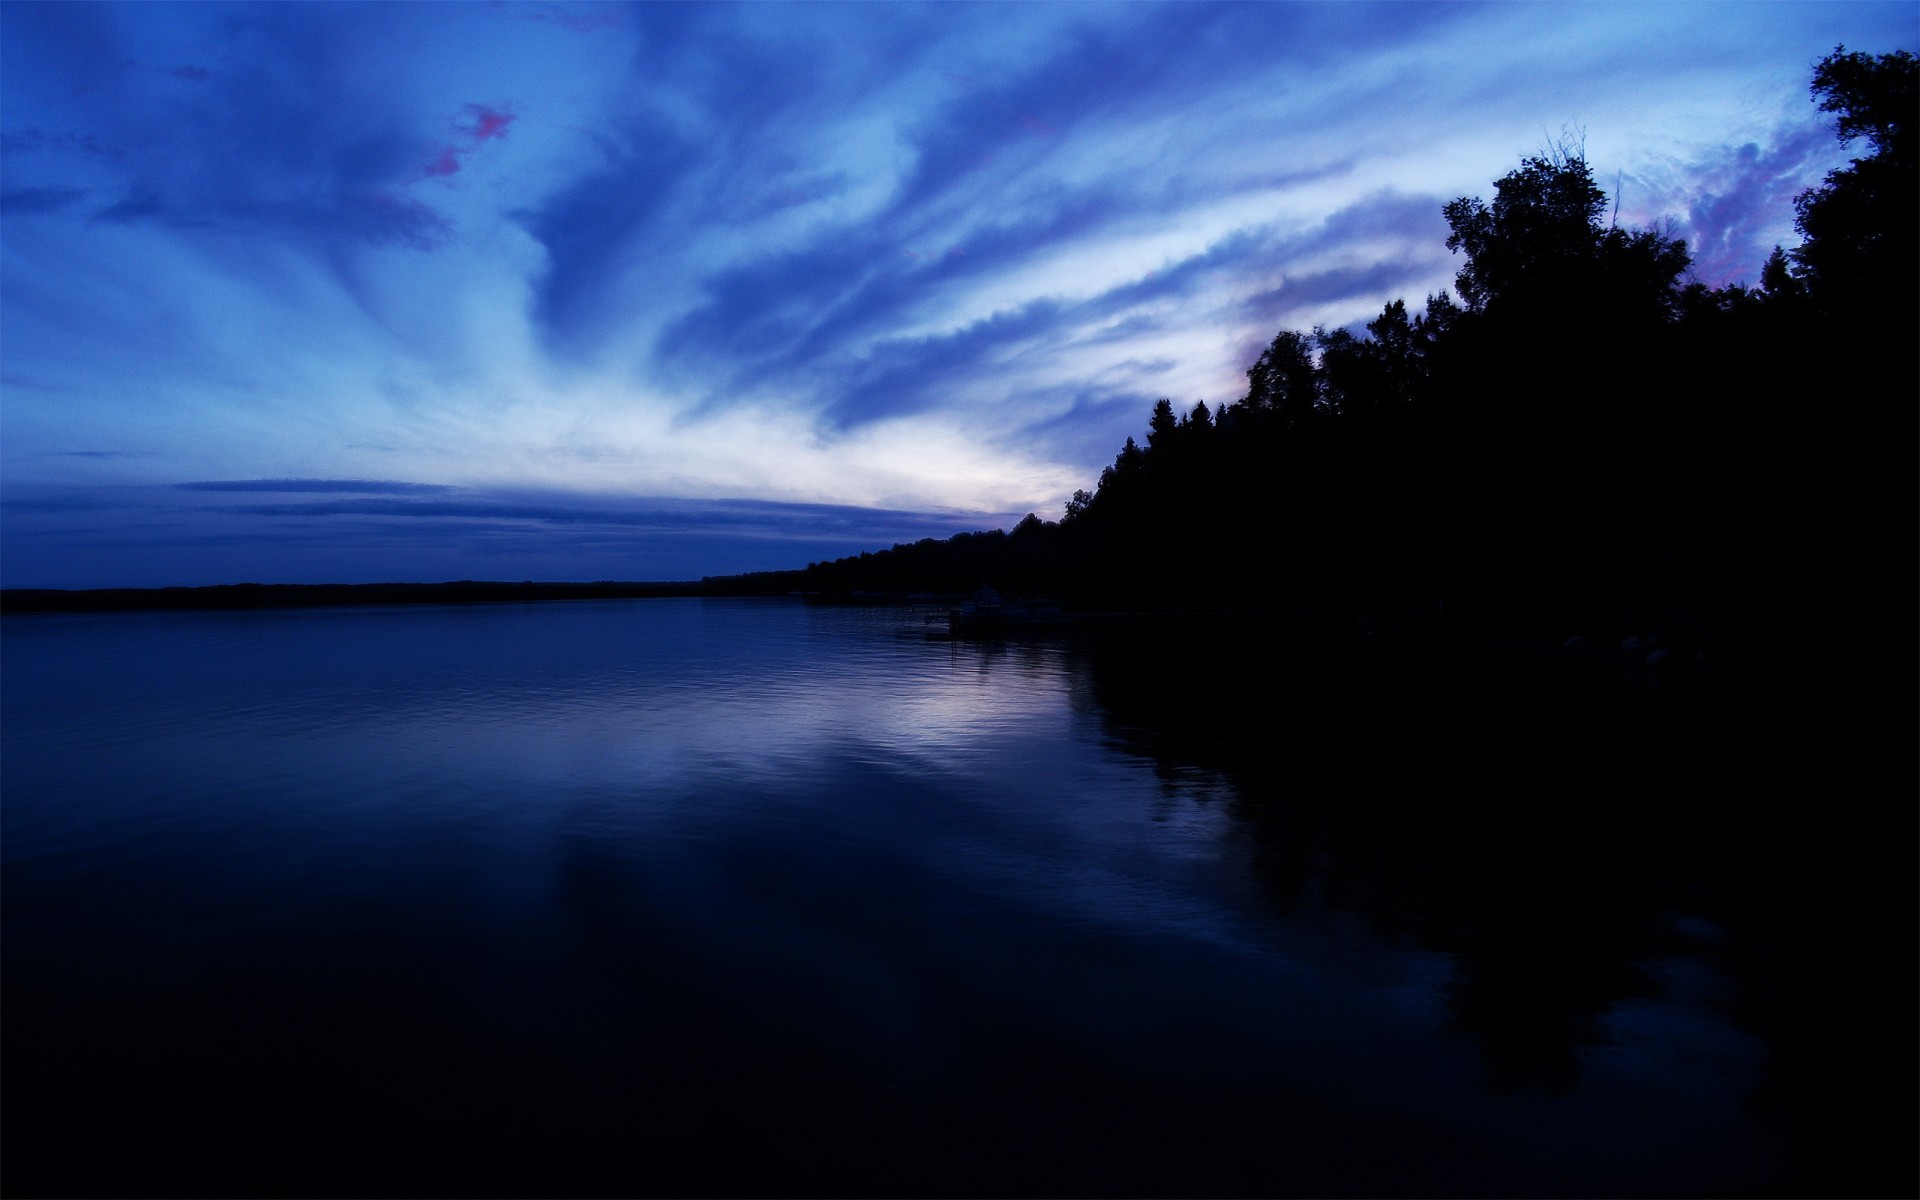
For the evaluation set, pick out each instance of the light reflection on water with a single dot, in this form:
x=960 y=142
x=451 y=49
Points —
x=710 y=836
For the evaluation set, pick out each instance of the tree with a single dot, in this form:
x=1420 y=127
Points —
x=1857 y=259
x=1874 y=97
x=1545 y=217
x=1283 y=380
x=1348 y=371
x=1162 y=427
x=1777 y=278
x=1440 y=317
x=1540 y=250
x=1396 y=352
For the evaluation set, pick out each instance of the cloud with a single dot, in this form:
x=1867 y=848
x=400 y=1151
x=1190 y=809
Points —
x=30 y=200
x=33 y=139
x=51 y=505
x=824 y=316
x=289 y=137
x=1734 y=204
x=825 y=312
x=361 y=486
x=61 y=538
x=762 y=518
x=140 y=207
x=591 y=228
x=599 y=18
x=1128 y=61
x=926 y=258
x=1302 y=295
x=903 y=376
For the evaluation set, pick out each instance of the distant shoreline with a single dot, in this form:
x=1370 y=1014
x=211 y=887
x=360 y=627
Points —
x=245 y=596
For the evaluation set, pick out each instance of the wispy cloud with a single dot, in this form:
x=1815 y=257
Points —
x=1735 y=203
x=371 y=487
x=24 y=201
x=935 y=260
x=594 y=18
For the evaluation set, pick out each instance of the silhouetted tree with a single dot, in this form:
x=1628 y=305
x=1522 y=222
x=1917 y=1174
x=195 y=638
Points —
x=1540 y=250
x=1579 y=420
x=1544 y=220
x=1777 y=279
x=1396 y=353
x=1162 y=425
x=1348 y=374
x=1857 y=259
x=1284 y=380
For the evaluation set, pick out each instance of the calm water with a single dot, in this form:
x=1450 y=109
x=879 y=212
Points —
x=738 y=897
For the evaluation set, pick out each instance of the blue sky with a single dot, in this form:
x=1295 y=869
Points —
x=336 y=292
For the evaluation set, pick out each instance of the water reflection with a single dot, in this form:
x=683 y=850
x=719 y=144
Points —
x=1611 y=893
x=671 y=896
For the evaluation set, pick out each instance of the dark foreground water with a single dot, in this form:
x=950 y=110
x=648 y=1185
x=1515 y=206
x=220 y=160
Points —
x=757 y=898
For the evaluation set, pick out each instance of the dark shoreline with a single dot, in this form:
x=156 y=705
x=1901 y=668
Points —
x=242 y=596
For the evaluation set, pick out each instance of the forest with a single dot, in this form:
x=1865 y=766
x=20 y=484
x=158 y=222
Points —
x=1577 y=425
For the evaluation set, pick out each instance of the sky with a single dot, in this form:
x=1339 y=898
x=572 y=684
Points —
x=567 y=291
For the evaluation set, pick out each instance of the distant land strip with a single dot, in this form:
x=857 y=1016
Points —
x=333 y=595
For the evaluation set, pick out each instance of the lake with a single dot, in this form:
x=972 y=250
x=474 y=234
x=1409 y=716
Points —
x=757 y=897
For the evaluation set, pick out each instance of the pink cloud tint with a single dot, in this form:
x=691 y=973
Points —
x=480 y=123
x=487 y=122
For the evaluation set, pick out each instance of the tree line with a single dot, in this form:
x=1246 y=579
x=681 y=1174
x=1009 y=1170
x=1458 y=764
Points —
x=1575 y=418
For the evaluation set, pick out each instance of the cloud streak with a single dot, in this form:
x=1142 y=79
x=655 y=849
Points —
x=380 y=487
x=930 y=262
